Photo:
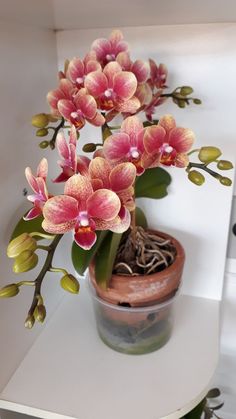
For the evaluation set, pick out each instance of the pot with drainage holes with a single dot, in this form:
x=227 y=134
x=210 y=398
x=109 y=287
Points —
x=134 y=315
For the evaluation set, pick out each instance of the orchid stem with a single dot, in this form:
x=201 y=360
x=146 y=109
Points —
x=58 y=270
x=47 y=248
x=46 y=267
x=32 y=283
x=193 y=151
x=44 y=236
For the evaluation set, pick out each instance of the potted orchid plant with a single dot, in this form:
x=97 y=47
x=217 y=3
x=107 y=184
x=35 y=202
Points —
x=134 y=272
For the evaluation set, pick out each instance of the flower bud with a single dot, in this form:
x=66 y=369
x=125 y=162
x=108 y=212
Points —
x=186 y=90
x=40 y=120
x=197 y=101
x=29 y=322
x=69 y=283
x=181 y=103
x=52 y=118
x=89 y=147
x=40 y=313
x=8 y=291
x=224 y=165
x=25 y=261
x=208 y=154
x=42 y=132
x=21 y=243
x=196 y=177
x=225 y=181
x=44 y=144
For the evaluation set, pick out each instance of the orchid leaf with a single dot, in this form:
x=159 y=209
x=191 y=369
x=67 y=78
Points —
x=105 y=257
x=140 y=218
x=29 y=227
x=152 y=184
x=81 y=258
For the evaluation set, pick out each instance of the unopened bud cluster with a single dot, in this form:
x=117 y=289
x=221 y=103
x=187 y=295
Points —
x=22 y=249
x=41 y=121
x=181 y=97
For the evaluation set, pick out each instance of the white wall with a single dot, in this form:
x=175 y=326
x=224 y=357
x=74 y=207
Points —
x=27 y=72
x=202 y=56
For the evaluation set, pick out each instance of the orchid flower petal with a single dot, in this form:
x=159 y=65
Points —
x=60 y=209
x=132 y=126
x=110 y=70
x=96 y=83
x=33 y=213
x=87 y=104
x=75 y=69
x=98 y=120
x=123 y=58
x=103 y=204
x=181 y=139
x=124 y=84
x=128 y=106
x=99 y=168
x=117 y=146
x=31 y=179
x=66 y=107
x=122 y=176
x=153 y=138
x=62 y=146
x=124 y=223
x=141 y=70
x=78 y=187
x=42 y=169
x=181 y=160
x=73 y=135
x=101 y=46
x=167 y=122
x=58 y=228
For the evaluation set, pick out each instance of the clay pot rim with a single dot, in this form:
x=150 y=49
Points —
x=140 y=278
x=133 y=309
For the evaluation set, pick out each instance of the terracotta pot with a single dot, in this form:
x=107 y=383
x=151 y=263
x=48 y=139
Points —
x=144 y=290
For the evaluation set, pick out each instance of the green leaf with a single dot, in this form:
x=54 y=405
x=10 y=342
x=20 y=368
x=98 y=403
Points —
x=140 y=218
x=81 y=258
x=214 y=392
x=197 y=411
x=152 y=184
x=28 y=227
x=105 y=257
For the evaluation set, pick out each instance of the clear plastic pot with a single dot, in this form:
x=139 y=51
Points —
x=133 y=330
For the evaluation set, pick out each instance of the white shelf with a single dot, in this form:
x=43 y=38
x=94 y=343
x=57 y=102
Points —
x=70 y=373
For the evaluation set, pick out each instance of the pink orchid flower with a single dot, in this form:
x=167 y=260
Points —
x=79 y=109
x=158 y=75
x=38 y=185
x=169 y=142
x=66 y=90
x=113 y=88
x=83 y=210
x=120 y=179
x=108 y=49
x=78 y=69
x=127 y=146
x=71 y=164
x=139 y=67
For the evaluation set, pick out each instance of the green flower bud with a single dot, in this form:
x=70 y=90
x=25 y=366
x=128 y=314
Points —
x=224 y=165
x=25 y=261
x=29 y=322
x=44 y=144
x=21 y=243
x=197 y=101
x=225 y=181
x=186 y=90
x=40 y=120
x=42 y=132
x=196 y=177
x=209 y=154
x=89 y=147
x=181 y=103
x=40 y=313
x=8 y=291
x=69 y=283
x=51 y=118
